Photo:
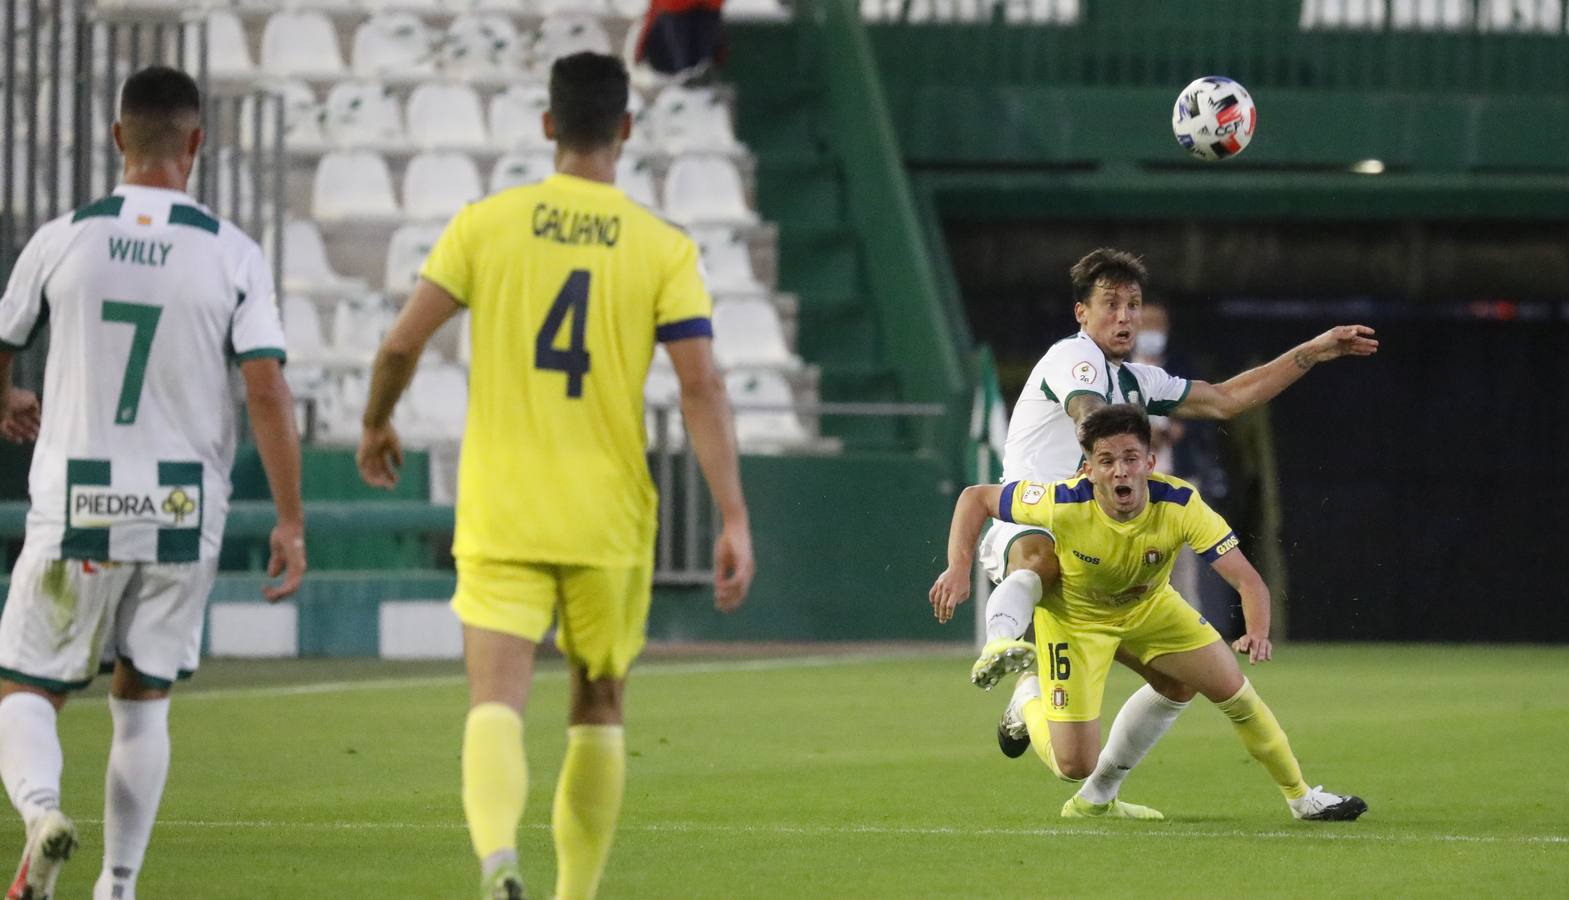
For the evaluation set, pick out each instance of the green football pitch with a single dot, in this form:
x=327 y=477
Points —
x=856 y=776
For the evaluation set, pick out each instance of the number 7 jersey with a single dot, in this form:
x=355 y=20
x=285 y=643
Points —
x=151 y=303
x=569 y=284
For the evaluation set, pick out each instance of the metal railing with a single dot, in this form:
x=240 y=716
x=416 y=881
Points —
x=688 y=519
x=63 y=65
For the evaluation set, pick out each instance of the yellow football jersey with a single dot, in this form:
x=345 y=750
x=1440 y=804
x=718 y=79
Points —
x=1109 y=566
x=569 y=284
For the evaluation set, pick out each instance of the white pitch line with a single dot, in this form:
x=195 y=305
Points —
x=1317 y=833
x=652 y=669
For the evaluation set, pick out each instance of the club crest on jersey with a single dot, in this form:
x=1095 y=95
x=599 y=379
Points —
x=1084 y=372
x=1059 y=697
x=1033 y=494
x=179 y=504
x=1152 y=557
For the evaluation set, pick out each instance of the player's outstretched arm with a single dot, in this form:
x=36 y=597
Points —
x=381 y=454
x=976 y=504
x=1262 y=384
x=1240 y=574
x=270 y=405
x=707 y=413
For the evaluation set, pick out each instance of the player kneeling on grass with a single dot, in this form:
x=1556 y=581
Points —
x=1118 y=529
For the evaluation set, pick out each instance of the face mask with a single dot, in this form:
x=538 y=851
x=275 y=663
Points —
x=1149 y=343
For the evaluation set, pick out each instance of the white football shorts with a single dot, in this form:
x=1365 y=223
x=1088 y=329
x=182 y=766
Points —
x=996 y=541
x=65 y=618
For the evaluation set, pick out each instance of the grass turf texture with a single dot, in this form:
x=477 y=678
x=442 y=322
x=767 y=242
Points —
x=855 y=778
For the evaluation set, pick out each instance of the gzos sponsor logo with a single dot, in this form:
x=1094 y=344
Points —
x=1226 y=546
x=103 y=506
x=1092 y=560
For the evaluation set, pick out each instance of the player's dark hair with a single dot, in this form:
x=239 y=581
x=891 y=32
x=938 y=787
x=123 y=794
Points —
x=1116 y=267
x=1110 y=421
x=159 y=107
x=588 y=97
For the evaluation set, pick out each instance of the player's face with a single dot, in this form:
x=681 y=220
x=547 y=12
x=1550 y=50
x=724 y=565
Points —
x=1118 y=467
x=1111 y=317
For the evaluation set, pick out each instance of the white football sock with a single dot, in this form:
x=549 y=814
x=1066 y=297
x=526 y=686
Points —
x=133 y=785
x=30 y=757
x=1011 y=607
x=1141 y=722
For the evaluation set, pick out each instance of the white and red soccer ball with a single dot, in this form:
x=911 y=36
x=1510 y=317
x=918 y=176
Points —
x=1214 y=118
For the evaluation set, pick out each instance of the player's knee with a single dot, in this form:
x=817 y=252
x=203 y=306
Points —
x=1040 y=558
x=1170 y=688
x=1075 y=769
x=596 y=701
x=8 y=688
x=130 y=684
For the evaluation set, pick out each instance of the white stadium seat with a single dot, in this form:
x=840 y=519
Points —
x=302 y=116
x=302 y=336
x=547 y=8
x=764 y=429
x=301 y=43
x=515 y=116
x=692 y=120
x=727 y=260
x=306 y=268
x=438 y=402
x=358 y=325
x=663 y=390
x=565 y=35
x=747 y=333
x=643 y=138
x=340 y=407
x=395 y=46
x=635 y=176
x=437 y=185
x=520 y=168
x=406 y=254
x=755 y=10
x=706 y=189
x=483 y=46
x=362 y=114
x=352 y=185
x=228 y=49
x=446 y=115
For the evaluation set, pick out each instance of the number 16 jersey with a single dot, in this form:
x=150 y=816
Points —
x=151 y=301
x=569 y=285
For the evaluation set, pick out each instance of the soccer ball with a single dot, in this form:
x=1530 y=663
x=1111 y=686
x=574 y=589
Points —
x=1214 y=118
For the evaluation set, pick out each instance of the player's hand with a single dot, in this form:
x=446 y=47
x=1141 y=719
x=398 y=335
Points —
x=733 y=565
x=1256 y=646
x=1343 y=340
x=288 y=559
x=380 y=456
x=950 y=589
x=22 y=417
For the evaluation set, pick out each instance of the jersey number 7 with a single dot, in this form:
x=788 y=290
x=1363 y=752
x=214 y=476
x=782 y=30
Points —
x=573 y=299
x=144 y=318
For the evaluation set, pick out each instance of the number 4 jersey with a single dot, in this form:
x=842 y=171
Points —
x=151 y=303
x=569 y=285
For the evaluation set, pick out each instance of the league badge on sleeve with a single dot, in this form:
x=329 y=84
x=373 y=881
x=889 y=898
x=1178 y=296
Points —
x=1033 y=494
x=1084 y=372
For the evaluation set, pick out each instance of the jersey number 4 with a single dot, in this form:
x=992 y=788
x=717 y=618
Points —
x=144 y=318
x=572 y=299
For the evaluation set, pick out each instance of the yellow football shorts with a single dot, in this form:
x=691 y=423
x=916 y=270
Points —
x=603 y=612
x=1076 y=653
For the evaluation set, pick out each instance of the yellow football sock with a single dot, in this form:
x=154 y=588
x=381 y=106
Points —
x=588 y=801
x=495 y=777
x=1263 y=737
x=1034 y=713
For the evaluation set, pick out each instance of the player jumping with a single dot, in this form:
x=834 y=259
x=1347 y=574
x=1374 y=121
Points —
x=154 y=306
x=1078 y=375
x=1117 y=531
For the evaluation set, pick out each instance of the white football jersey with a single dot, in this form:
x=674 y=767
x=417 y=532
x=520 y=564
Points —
x=152 y=302
x=1043 y=442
